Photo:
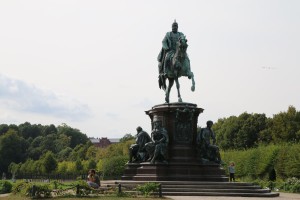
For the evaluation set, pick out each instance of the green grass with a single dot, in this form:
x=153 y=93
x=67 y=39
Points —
x=18 y=197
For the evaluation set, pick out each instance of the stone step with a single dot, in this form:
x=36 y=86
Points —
x=230 y=190
x=202 y=188
x=214 y=186
x=151 y=177
x=233 y=194
x=206 y=183
x=184 y=187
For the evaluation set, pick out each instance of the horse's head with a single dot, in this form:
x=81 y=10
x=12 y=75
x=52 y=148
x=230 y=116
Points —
x=182 y=44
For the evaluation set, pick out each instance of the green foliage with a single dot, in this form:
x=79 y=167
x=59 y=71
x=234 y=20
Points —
x=49 y=162
x=127 y=137
x=148 y=188
x=82 y=188
x=92 y=164
x=22 y=188
x=114 y=166
x=27 y=143
x=12 y=149
x=32 y=190
x=79 y=166
x=114 y=150
x=14 y=168
x=293 y=185
x=76 y=136
x=240 y=132
x=292 y=167
x=248 y=130
x=27 y=130
x=40 y=190
x=64 y=154
x=258 y=163
x=5 y=187
x=3 y=129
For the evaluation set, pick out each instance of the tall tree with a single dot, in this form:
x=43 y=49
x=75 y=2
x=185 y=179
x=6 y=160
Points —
x=285 y=125
x=49 y=162
x=3 y=129
x=27 y=130
x=12 y=149
x=76 y=136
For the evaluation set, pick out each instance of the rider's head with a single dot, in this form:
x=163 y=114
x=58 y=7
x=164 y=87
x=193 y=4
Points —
x=174 y=27
x=209 y=123
x=139 y=129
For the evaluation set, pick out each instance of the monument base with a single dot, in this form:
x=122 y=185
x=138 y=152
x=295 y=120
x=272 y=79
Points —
x=174 y=172
x=180 y=121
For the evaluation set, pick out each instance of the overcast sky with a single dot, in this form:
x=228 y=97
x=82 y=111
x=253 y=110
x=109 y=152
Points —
x=92 y=64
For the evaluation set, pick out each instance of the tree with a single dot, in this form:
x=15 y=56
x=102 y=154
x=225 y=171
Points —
x=14 y=168
x=92 y=164
x=127 y=137
x=27 y=130
x=75 y=135
x=78 y=166
x=114 y=166
x=64 y=154
x=285 y=125
x=12 y=149
x=240 y=132
x=3 y=129
x=49 y=130
x=49 y=162
x=62 y=167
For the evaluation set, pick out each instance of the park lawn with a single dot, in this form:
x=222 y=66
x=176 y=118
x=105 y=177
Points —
x=18 y=197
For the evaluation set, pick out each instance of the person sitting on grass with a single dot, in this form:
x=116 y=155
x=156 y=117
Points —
x=93 y=179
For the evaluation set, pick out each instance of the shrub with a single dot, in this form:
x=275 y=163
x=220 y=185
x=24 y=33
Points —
x=5 y=187
x=148 y=188
x=292 y=184
x=22 y=188
x=114 y=166
x=33 y=190
x=266 y=162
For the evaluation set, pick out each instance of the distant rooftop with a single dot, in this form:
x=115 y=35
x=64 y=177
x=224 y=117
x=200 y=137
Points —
x=94 y=140
x=97 y=140
x=114 y=140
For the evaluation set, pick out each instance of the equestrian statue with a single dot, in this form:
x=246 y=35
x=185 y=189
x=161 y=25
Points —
x=173 y=62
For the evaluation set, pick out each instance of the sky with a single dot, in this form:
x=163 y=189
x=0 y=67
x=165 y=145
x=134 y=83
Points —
x=92 y=64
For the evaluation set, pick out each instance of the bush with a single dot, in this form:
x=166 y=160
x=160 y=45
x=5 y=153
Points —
x=82 y=188
x=147 y=188
x=114 y=166
x=266 y=162
x=40 y=191
x=22 y=188
x=33 y=190
x=5 y=187
x=292 y=185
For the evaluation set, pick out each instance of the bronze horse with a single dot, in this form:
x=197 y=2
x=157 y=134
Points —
x=179 y=65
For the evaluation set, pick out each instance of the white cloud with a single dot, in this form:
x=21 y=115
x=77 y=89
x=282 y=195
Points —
x=18 y=95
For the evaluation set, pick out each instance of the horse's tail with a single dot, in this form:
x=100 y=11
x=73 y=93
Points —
x=162 y=82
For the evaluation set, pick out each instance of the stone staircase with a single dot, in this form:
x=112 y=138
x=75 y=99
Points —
x=200 y=188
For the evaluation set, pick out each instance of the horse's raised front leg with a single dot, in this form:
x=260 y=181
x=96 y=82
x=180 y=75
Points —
x=191 y=76
x=168 y=90
x=178 y=89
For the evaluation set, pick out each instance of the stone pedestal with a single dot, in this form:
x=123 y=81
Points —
x=180 y=121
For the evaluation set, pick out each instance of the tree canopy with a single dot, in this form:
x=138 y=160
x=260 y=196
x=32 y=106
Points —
x=248 y=130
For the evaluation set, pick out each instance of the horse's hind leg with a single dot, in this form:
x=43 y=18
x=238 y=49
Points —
x=168 y=90
x=178 y=89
